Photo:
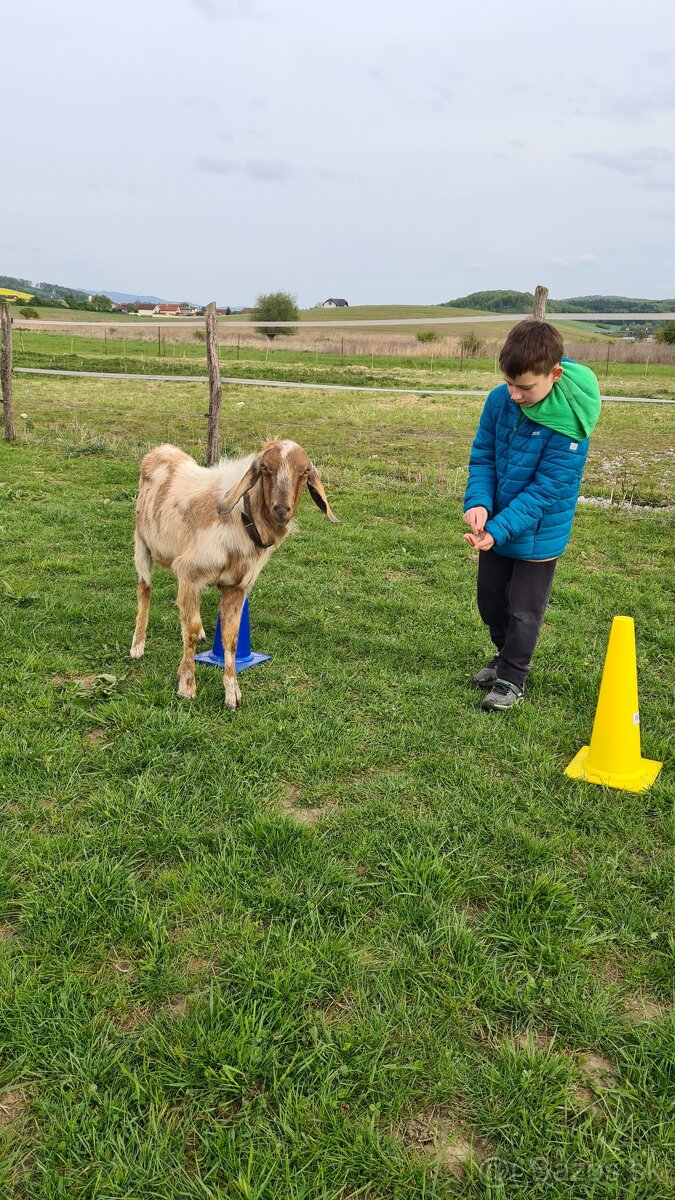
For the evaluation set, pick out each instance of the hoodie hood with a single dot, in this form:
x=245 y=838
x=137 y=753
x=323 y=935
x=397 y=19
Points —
x=572 y=407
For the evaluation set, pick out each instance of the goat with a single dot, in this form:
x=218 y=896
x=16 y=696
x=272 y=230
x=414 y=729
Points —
x=215 y=526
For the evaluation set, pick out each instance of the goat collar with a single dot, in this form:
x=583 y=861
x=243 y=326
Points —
x=251 y=528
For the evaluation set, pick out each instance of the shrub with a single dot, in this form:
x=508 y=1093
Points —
x=666 y=334
x=427 y=335
x=276 y=306
x=471 y=344
x=29 y=312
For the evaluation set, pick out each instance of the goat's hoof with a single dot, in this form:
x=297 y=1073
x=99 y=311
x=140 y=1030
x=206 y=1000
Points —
x=137 y=649
x=187 y=689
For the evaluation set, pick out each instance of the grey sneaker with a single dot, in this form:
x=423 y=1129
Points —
x=487 y=675
x=503 y=696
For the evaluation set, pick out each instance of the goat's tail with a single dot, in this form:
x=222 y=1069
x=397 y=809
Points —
x=142 y=559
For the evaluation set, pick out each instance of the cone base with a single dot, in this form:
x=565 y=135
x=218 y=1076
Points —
x=638 y=780
x=214 y=660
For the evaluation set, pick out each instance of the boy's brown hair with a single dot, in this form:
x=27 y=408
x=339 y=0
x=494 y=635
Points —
x=532 y=346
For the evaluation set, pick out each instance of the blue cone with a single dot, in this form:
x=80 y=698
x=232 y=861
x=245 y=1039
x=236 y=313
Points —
x=245 y=657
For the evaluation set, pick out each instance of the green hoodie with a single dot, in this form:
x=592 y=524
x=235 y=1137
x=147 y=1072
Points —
x=573 y=405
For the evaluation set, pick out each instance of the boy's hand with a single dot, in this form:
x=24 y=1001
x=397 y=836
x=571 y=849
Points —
x=475 y=518
x=481 y=541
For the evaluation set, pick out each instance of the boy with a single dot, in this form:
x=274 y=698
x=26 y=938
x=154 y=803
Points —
x=525 y=471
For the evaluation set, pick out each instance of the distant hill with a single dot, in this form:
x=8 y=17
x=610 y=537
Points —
x=127 y=297
x=57 y=292
x=54 y=292
x=517 y=302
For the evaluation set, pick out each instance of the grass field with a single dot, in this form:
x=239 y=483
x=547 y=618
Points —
x=580 y=330
x=377 y=361
x=359 y=939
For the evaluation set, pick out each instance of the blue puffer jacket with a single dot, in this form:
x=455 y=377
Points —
x=527 y=477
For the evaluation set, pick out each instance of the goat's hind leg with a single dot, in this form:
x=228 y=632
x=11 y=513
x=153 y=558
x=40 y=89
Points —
x=191 y=626
x=143 y=560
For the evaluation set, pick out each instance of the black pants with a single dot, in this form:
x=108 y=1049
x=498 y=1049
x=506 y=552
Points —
x=512 y=599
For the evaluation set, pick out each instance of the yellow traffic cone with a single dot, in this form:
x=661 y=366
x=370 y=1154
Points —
x=613 y=757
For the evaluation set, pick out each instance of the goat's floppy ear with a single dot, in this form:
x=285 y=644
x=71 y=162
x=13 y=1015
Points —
x=225 y=506
x=319 y=496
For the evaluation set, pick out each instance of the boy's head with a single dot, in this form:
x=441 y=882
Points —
x=530 y=361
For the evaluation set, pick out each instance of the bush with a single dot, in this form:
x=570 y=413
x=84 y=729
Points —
x=427 y=335
x=276 y=306
x=471 y=344
x=666 y=334
x=28 y=312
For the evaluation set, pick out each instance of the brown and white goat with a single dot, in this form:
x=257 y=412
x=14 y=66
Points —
x=215 y=526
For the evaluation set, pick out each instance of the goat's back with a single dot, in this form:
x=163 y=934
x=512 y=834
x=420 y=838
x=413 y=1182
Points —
x=177 y=499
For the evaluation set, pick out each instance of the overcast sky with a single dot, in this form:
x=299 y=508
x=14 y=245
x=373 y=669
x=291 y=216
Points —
x=382 y=151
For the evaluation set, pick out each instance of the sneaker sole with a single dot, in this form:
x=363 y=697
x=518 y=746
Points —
x=501 y=707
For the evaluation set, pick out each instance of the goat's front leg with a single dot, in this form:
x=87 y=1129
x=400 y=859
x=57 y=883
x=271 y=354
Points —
x=143 y=604
x=231 y=604
x=191 y=626
x=143 y=560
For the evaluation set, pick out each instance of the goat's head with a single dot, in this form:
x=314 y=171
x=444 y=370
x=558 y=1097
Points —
x=283 y=469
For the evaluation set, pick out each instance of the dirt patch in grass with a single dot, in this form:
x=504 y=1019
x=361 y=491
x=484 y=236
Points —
x=597 y=1078
x=338 y=1010
x=398 y=576
x=13 y=1105
x=176 y=1006
x=533 y=1040
x=124 y=968
x=198 y=966
x=96 y=738
x=473 y=910
x=646 y=1008
x=437 y=1136
x=6 y=932
x=297 y=812
x=133 y=1018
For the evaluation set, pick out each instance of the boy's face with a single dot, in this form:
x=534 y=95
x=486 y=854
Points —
x=529 y=388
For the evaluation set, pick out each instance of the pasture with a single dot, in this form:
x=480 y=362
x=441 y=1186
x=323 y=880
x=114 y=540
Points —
x=359 y=939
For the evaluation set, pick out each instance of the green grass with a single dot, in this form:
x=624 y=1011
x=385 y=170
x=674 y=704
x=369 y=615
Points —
x=267 y=954
x=57 y=351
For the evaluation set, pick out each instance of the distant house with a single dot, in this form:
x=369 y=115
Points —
x=148 y=310
x=332 y=302
x=168 y=310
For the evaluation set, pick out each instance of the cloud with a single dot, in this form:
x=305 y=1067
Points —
x=636 y=108
x=575 y=260
x=227 y=10
x=269 y=170
x=631 y=162
x=641 y=165
x=264 y=170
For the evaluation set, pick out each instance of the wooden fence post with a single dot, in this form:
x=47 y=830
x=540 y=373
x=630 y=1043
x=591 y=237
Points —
x=539 y=307
x=6 y=372
x=215 y=386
